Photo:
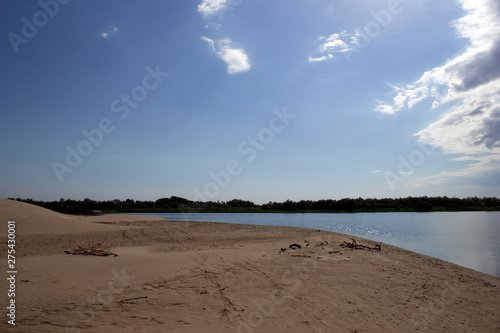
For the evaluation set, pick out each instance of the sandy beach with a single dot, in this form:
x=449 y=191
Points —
x=172 y=276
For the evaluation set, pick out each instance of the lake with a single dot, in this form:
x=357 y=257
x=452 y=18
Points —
x=469 y=239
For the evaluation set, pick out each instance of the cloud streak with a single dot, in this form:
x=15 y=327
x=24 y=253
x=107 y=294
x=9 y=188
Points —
x=235 y=59
x=475 y=170
x=318 y=59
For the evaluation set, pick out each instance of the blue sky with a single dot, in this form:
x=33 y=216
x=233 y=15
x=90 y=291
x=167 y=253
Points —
x=258 y=100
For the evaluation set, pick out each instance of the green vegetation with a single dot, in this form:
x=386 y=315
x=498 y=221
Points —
x=181 y=205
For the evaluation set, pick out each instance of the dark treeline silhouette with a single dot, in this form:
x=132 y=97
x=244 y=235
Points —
x=178 y=204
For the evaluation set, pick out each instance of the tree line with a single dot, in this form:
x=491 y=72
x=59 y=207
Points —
x=178 y=204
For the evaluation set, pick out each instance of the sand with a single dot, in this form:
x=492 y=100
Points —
x=172 y=276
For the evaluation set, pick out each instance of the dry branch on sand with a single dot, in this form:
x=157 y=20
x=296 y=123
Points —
x=92 y=249
x=355 y=246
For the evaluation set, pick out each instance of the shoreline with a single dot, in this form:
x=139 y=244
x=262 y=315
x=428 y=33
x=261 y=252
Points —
x=264 y=211
x=421 y=246
x=176 y=204
x=185 y=276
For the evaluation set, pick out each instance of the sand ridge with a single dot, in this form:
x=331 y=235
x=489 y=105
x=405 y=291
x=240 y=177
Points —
x=35 y=220
x=173 y=276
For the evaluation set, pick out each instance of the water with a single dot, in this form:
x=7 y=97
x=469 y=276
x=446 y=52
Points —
x=468 y=239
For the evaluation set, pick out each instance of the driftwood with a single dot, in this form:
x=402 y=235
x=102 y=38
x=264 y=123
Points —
x=355 y=246
x=91 y=250
x=132 y=299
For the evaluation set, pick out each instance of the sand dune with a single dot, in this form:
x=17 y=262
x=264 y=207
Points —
x=172 y=276
x=34 y=220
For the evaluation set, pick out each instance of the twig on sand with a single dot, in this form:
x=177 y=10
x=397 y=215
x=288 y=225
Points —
x=132 y=299
x=92 y=249
x=355 y=246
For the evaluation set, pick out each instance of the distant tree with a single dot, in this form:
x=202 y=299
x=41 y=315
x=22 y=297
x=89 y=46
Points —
x=423 y=206
x=180 y=200
x=240 y=203
x=348 y=204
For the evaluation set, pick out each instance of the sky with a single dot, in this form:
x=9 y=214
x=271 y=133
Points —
x=257 y=100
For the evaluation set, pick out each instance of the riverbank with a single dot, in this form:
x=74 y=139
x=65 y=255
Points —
x=346 y=205
x=464 y=238
x=182 y=276
x=301 y=211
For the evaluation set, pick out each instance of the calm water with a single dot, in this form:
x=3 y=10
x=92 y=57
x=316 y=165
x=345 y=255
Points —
x=469 y=239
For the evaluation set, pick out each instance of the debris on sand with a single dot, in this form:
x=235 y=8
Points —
x=355 y=246
x=91 y=249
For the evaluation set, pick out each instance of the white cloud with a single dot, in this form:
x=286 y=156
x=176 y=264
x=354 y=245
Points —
x=470 y=127
x=107 y=34
x=236 y=59
x=384 y=108
x=470 y=84
x=477 y=65
x=318 y=59
x=335 y=43
x=208 y=8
